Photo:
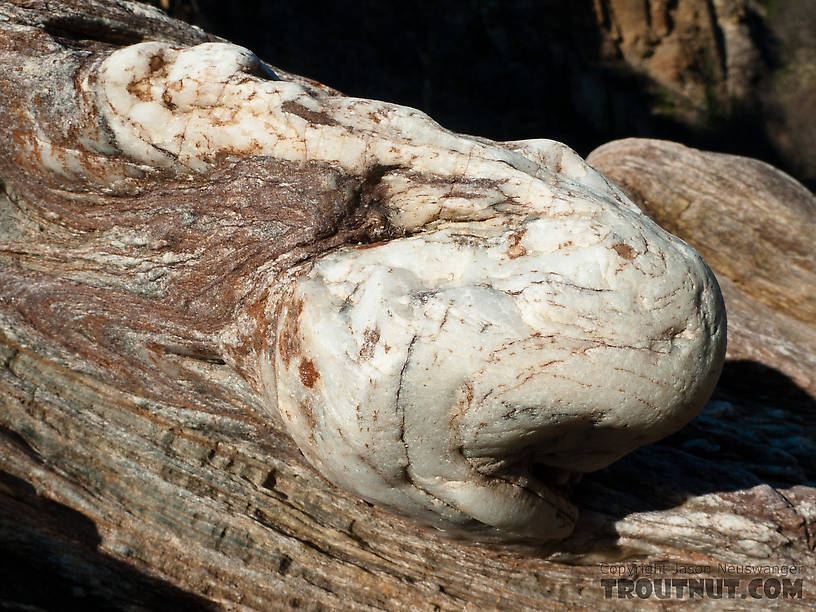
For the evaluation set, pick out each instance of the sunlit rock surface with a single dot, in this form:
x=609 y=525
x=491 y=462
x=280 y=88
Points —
x=517 y=322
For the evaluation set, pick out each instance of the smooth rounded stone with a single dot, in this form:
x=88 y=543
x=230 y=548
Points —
x=520 y=323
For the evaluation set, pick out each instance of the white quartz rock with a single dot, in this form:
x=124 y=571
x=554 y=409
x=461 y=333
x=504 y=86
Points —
x=526 y=314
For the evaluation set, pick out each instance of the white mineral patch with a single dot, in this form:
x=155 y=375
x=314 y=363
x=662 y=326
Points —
x=531 y=314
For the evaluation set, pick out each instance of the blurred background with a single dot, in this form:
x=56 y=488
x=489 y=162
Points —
x=736 y=76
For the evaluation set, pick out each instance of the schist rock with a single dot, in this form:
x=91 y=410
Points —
x=212 y=268
x=471 y=310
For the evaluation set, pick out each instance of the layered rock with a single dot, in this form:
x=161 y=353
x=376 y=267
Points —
x=148 y=303
x=519 y=309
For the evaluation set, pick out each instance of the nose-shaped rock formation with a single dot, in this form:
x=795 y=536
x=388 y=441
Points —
x=520 y=322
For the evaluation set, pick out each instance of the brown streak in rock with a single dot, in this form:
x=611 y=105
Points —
x=372 y=245
x=515 y=249
x=306 y=410
x=370 y=339
x=311 y=116
x=308 y=373
x=464 y=195
x=288 y=342
x=624 y=250
x=141 y=88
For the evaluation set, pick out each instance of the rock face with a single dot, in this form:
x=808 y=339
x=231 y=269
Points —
x=520 y=309
x=702 y=53
x=151 y=326
x=722 y=62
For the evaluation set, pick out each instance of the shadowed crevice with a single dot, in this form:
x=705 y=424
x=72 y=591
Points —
x=50 y=560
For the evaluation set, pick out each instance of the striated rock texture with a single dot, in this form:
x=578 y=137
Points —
x=165 y=264
x=516 y=308
x=532 y=315
x=704 y=54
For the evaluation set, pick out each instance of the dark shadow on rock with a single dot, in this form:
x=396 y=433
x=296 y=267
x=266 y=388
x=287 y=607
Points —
x=758 y=428
x=49 y=560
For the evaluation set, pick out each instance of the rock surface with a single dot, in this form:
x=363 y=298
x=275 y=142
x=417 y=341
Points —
x=704 y=53
x=140 y=468
x=767 y=218
x=515 y=308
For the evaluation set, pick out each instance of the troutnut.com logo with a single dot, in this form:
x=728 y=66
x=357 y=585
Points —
x=680 y=581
